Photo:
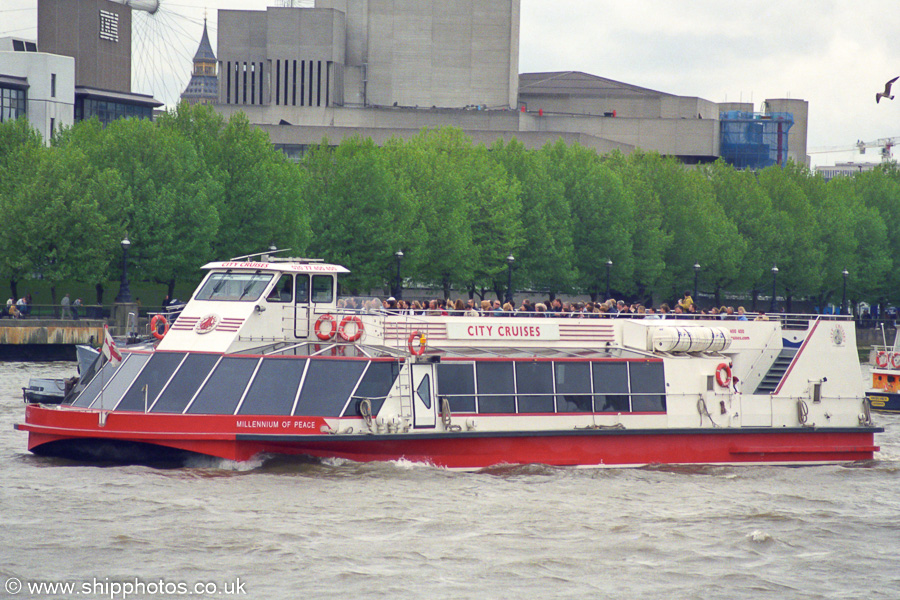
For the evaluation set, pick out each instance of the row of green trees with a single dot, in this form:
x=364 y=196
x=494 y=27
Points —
x=191 y=187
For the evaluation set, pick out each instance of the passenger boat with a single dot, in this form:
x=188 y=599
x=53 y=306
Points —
x=267 y=359
x=884 y=395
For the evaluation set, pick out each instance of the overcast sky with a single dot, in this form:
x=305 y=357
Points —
x=834 y=54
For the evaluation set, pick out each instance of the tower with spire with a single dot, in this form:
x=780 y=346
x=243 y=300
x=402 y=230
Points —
x=203 y=87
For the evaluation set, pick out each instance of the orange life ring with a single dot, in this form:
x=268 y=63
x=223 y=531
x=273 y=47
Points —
x=325 y=335
x=723 y=375
x=342 y=328
x=154 y=326
x=881 y=359
x=415 y=335
x=895 y=360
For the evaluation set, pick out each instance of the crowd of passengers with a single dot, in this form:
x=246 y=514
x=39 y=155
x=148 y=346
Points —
x=683 y=309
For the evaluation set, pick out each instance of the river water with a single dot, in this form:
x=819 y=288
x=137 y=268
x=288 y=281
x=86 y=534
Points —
x=291 y=529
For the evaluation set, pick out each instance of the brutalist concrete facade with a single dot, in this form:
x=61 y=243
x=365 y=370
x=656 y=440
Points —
x=96 y=33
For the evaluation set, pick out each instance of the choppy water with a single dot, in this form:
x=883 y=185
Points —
x=291 y=529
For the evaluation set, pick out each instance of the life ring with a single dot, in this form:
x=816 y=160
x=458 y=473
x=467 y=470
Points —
x=723 y=375
x=342 y=328
x=895 y=360
x=881 y=359
x=325 y=335
x=154 y=326
x=415 y=335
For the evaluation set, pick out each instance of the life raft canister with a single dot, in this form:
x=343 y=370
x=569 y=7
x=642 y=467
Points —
x=154 y=326
x=332 y=328
x=723 y=375
x=342 y=328
x=416 y=351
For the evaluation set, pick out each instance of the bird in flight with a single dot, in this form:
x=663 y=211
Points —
x=887 y=91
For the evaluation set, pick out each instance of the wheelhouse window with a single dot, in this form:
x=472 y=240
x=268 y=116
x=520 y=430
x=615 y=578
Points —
x=234 y=287
x=323 y=289
x=283 y=290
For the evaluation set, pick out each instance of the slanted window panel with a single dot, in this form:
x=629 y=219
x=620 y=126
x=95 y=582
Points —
x=155 y=376
x=89 y=393
x=457 y=384
x=424 y=391
x=648 y=387
x=274 y=388
x=322 y=288
x=121 y=381
x=375 y=386
x=328 y=386
x=611 y=387
x=283 y=290
x=185 y=383
x=223 y=390
x=534 y=384
x=573 y=387
x=496 y=387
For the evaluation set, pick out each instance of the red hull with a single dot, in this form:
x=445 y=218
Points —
x=240 y=438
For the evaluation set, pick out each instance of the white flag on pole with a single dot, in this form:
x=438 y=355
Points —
x=110 y=351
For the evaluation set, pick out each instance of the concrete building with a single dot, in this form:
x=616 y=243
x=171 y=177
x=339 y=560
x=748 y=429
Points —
x=385 y=68
x=845 y=169
x=97 y=35
x=36 y=85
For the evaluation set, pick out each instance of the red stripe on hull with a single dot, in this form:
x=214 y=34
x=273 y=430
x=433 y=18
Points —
x=224 y=437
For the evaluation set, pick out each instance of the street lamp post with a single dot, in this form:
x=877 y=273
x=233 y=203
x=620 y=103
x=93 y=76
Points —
x=774 y=279
x=844 y=297
x=509 y=266
x=696 y=278
x=609 y=265
x=124 y=291
x=399 y=255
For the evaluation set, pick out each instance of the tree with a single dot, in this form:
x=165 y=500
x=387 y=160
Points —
x=546 y=255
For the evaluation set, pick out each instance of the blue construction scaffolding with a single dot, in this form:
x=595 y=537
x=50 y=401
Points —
x=754 y=140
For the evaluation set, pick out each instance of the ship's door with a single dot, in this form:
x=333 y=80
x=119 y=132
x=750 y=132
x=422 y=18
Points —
x=301 y=306
x=424 y=401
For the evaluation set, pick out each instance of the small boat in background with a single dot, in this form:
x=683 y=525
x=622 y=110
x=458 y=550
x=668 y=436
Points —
x=53 y=391
x=884 y=395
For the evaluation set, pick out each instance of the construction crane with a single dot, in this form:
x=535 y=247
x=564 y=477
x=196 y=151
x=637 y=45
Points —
x=884 y=143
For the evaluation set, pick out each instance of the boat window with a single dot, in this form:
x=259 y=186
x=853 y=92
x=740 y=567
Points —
x=301 y=290
x=573 y=386
x=375 y=386
x=496 y=387
x=224 y=388
x=457 y=383
x=327 y=387
x=424 y=391
x=120 y=381
x=536 y=378
x=283 y=290
x=234 y=287
x=101 y=378
x=322 y=288
x=274 y=388
x=155 y=375
x=611 y=387
x=648 y=387
x=185 y=383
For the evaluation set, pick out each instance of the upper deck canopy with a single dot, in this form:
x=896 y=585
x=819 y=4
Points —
x=284 y=265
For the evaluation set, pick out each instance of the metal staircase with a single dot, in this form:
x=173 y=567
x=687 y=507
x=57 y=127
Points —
x=773 y=376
